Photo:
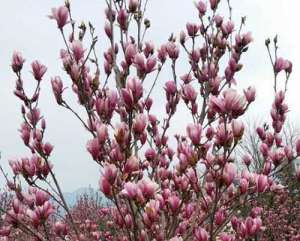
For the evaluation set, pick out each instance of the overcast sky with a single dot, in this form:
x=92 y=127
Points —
x=25 y=27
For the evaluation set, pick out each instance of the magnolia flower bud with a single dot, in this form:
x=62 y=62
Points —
x=122 y=18
x=48 y=148
x=201 y=234
x=133 y=5
x=105 y=187
x=262 y=183
x=57 y=88
x=214 y=4
x=108 y=30
x=229 y=173
x=250 y=94
x=17 y=62
x=244 y=184
x=201 y=6
x=237 y=128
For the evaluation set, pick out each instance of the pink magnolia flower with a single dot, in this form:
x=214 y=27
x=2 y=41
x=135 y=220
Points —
x=38 y=70
x=152 y=210
x=147 y=187
x=214 y=4
x=244 y=184
x=228 y=27
x=60 y=228
x=237 y=128
x=105 y=187
x=102 y=133
x=17 y=62
x=253 y=225
x=150 y=64
x=93 y=148
x=110 y=173
x=220 y=217
x=170 y=88
x=194 y=133
x=108 y=30
x=250 y=93
x=60 y=15
x=229 y=173
x=131 y=165
x=48 y=148
x=262 y=183
x=280 y=64
x=172 y=50
x=130 y=53
x=231 y=103
x=201 y=6
x=201 y=234
x=57 y=87
x=149 y=48
x=130 y=190
x=174 y=202
x=122 y=18
x=41 y=197
x=136 y=88
x=189 y=93
x=77 y=50
x=192 y=29
x=139 y=123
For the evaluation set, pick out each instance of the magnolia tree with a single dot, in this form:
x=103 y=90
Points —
x=161 y=186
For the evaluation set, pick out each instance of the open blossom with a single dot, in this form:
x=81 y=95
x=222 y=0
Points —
x=174 y=202
x=194 y=133
x=77 y=50
x=139 y=123
x=231 y=102
x=130 y=190
x=283 y=64
x=192 y=29
x=147 y=187
x=60 y=15
x=38 y=70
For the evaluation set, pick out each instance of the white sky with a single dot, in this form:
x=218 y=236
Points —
x=25 y=27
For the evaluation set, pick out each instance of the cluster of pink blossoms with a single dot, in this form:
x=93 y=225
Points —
x=195 y=189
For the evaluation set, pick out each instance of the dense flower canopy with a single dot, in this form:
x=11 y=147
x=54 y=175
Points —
x=160 y=186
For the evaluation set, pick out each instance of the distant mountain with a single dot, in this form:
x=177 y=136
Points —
x=72 y=197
